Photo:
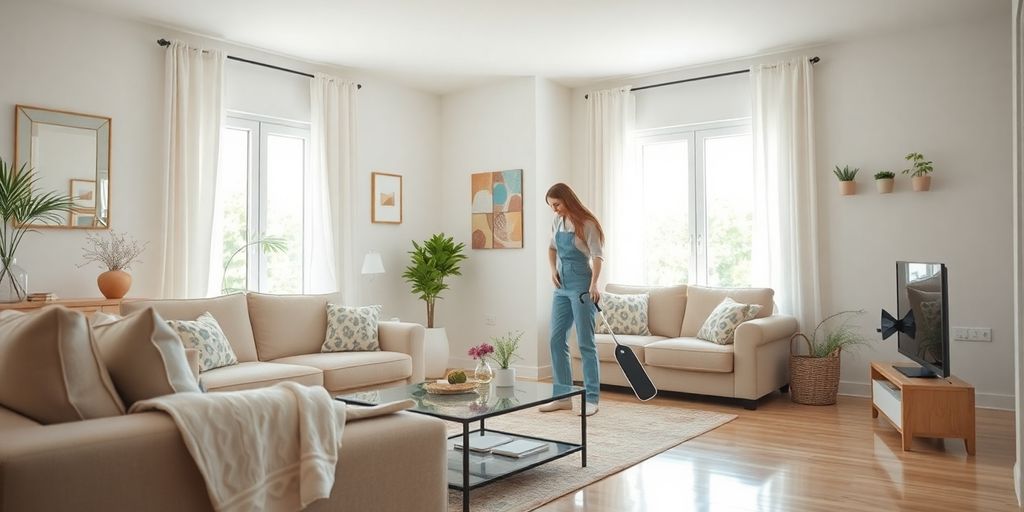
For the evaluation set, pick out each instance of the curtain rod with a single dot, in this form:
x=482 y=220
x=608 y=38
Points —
x=164 y=42
x=814 y=60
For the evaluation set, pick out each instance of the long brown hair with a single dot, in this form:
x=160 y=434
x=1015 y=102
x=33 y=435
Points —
x=574 y=210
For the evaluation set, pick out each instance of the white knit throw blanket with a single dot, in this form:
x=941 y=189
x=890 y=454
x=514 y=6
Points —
x=270 y=449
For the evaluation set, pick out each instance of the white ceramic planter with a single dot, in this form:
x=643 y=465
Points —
x=435 y=353
x=504 y=377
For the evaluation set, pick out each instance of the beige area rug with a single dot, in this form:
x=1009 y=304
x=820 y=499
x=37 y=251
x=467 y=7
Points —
x=620 y=435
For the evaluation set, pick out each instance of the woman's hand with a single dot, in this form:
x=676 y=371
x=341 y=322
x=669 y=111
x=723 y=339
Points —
x=555 y=279
x=595 y=295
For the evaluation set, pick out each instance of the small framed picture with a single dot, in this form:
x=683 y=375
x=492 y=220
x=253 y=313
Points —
x=386 y=198
x=85 y=219
x=83 y=193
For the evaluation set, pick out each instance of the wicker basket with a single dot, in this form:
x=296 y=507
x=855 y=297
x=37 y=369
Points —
x=813 y=380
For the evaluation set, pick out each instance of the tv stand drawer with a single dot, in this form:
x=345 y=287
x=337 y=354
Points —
x=889 y=400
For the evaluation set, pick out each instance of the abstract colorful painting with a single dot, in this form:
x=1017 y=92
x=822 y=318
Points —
x=497 y=209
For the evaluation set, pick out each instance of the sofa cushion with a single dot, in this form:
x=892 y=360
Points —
x=702 y=300
x=723 y=321
x=690 y=354
x=288 y=325
x=349 y=370
x=50 y=368
x=231 y=312
x=625 y=314
x=144 y=356
x=257 y=374
x=606 y=346
x=205 y=334
x=352 y=328
x=665 y=306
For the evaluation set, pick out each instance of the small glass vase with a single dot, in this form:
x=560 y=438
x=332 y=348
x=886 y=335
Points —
x=483 y=372
x=13 y=282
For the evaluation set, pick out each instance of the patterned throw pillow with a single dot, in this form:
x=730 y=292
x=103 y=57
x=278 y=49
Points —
x=204 y=333
x=626 y=314
x=723 y=321
x=351 y=329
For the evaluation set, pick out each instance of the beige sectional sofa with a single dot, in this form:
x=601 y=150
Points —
x=139 y=461
x=754 y=365
x=278 y=337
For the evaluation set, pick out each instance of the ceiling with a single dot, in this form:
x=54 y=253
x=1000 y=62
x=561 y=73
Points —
x=445 y=45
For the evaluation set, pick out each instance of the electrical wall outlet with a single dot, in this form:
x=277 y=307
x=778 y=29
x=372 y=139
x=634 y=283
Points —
x=489 y=320
x=972 y=333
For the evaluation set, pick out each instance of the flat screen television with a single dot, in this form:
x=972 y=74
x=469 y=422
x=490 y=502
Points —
x=921 y=290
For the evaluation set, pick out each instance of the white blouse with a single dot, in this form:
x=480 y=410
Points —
x=592 y=248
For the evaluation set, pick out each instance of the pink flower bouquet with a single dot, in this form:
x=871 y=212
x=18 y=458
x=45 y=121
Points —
x=481 y=351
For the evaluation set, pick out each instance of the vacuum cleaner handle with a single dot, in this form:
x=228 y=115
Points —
x=595 y=304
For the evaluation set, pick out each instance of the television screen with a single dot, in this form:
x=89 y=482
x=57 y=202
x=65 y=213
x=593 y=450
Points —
x=921 y=291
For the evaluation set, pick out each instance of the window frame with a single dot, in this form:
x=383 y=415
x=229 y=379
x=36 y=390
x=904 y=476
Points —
x=259 y=129
x=695 y=135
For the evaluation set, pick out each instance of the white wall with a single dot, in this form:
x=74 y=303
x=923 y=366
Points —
x=943 y=91
x=64 y=58
x=517 y=123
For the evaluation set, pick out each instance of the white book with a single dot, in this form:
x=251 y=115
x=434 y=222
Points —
x=484 y=443
x=520 y=448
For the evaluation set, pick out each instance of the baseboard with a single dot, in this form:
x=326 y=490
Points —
x=982 y=400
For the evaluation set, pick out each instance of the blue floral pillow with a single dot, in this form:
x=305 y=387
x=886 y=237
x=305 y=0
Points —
x=626 y=314
x=722 y=323
x=205 y=334
x=352 y=329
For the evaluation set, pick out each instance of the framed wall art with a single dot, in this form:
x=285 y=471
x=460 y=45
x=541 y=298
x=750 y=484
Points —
x=386 y=198
x=497 y=211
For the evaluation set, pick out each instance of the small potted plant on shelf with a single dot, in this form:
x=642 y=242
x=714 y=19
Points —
x=884 y=181
x=504 y=352
x=920 y=171
x=814 y=378
x=846 y=175
x=116 y=253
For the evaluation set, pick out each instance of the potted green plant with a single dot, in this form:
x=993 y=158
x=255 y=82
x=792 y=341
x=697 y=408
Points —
x=920 y=171
x=846 y=175
x=436 y=259
x=21 y=207
x=814 y=378
x=504 y=353
x=884 y=181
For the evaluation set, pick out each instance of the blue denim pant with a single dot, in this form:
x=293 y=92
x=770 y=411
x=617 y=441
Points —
x=566 y=310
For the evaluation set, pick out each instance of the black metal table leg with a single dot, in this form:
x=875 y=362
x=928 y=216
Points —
x=465 y=467
x=583 y=427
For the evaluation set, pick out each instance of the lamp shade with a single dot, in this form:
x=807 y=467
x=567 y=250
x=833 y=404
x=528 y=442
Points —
x=373 y=264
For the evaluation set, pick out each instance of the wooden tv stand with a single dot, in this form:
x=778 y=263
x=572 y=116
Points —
x=923 y=407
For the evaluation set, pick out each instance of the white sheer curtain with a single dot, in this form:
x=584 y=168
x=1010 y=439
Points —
x=329 y=194
x=609 y=120
x=785 y=251
x=194 y=94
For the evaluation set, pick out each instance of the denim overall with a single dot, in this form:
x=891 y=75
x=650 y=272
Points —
x=566 y=307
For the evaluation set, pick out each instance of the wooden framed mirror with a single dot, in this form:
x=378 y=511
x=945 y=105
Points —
x=71 y=155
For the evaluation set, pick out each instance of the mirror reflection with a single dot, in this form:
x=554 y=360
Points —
x=71 y=155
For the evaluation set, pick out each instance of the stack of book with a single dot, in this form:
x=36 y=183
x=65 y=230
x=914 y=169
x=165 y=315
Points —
x=41 y=297
x=503 y=445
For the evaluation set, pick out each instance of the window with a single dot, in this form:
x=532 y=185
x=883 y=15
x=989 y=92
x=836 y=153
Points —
x=696 y=195
x=259 y=216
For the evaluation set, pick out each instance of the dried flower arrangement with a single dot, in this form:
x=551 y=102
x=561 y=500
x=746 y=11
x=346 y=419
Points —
x=119 y=251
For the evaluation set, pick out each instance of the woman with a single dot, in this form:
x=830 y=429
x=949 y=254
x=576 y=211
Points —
x=575 y=258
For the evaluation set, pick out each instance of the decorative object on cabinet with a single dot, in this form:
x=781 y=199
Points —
x=22 y=209
x=847 y=185
x=116 y=252
x=67 y=148
x=884 y=181
x=814 y=378
x=920 y=171
x=386 y=198
x=497 y=209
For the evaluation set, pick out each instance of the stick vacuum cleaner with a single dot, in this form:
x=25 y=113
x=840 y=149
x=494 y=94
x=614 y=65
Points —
x=628 y=363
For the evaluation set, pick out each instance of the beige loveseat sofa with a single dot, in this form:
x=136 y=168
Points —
x=755 y=365
x=140 y=462
x=278 y=337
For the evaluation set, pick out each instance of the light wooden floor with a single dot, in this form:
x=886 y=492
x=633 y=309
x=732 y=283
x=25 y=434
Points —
x=789 y=457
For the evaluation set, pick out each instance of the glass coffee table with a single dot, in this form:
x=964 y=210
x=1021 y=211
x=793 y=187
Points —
x=469 y=469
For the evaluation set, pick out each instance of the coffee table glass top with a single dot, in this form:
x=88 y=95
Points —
x=485 y=401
